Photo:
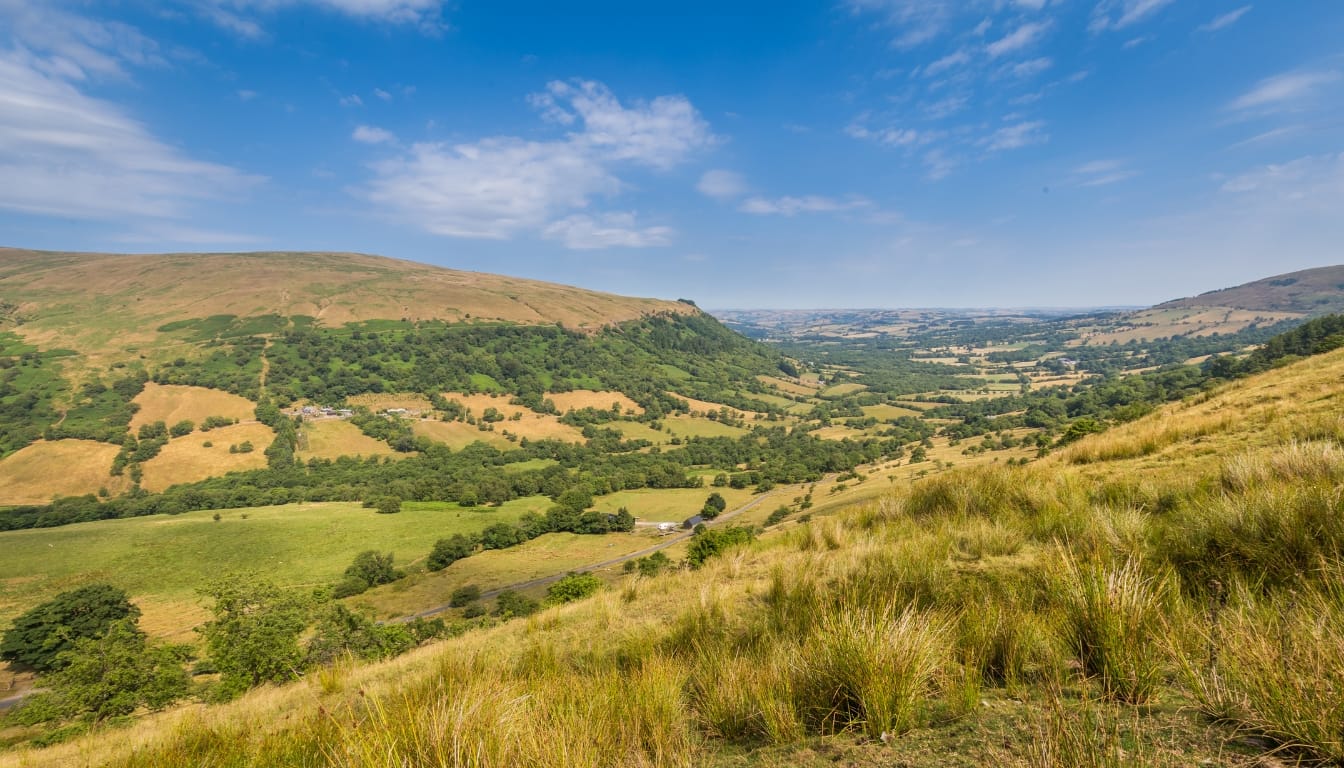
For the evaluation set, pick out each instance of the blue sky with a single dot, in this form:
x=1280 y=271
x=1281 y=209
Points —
x=855 y=153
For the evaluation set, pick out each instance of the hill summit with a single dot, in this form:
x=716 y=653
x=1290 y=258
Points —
x=1318 y=291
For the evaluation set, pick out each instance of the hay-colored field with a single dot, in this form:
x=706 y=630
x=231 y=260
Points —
x=458 y=434
x=532 y=425
x=43 y=470
x=775 y=400
x=1158 y=323
x=690 y=426
x=162 y=560
x=186 y=459
x=382 y=401
x=171 y=403
x=843 y=388
x=838 y=432
x=333 y=438
x=784 y=385
x=705 y=406
x=587 y=398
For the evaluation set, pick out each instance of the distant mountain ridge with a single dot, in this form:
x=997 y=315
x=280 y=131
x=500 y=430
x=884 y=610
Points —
x=1316 y=291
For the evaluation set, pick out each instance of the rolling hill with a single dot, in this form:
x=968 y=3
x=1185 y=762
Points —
x=1309 y=292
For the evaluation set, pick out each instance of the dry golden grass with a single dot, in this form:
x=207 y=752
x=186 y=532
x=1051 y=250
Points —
x=382 y=401
x=1193 y=321
x=186 y=459
x=886 y=411
x=477 y=404
x=171 y=403
x=457 y=434
x=532 y=425
x=784 y=385
x=332 y=438
x=44 y=470
x=587 y=398
x=700 y=407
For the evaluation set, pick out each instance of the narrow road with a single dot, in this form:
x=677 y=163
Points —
x=664 y=544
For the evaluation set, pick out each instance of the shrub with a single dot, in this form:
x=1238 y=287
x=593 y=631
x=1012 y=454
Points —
x=465 y=595
x=510 y=603
x=39 y=636
x=574 y=586
x=448 y=551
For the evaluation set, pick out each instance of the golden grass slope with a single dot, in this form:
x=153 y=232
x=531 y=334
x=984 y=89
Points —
x=333 y=438
x=188 y=459
x=171 y=403
x=45 y=470
x=100 y=303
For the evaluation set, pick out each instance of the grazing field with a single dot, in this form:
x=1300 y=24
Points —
x=382 y=401
x=188 y=459
x=704 y=406
x=689 y=426
x=634 y=430
x=43 y=470
x=457 y=434
x=477 y=404
x=784 y=385
x=886 y=411
x=171 y=403
x=162 y=560
x=843 y=388
x=670 y=505
x=587 y=398
x=332 y=438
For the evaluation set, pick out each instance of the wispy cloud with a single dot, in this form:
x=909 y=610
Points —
x=916 y=21
x=1100 y=173
x=1225 y=20
x=722 y=185
x=792 y=206
x=65 y=153
x=1288 y=91
x=611 y=230
x=368 y=134
x=1118 y=14
x=950 y=61
x=1016 y=136
x=1022 y=37
x=242 y=17
x=499 y=187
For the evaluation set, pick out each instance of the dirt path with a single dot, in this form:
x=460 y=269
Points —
x=664 y=544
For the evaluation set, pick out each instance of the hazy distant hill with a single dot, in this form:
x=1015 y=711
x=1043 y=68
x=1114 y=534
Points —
x=1312 y=292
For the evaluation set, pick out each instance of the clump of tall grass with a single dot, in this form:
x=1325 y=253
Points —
x=1310 y=461
x=871 y=671
x=1089 y=734
x=1111 y=617
x=1275 y=665
x=1005 y=642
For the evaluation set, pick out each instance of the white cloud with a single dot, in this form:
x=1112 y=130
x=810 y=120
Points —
x=1118 y=14
x=1022 y=37
x=1312 y=183
x=1100 y=173
x=352 y=100
x=1225 y=20
x=611 y=230
x=891 y=137
x=1016 y=136
x=1287 y=91
x=502 y=186
x=246 y=95
x=64 y=153
x=1031 y=67
x=792 y=206
x=722 y=185
x=380 y=93
x=369 y=134
x=917 y=21
x=951 y=60
x=236 y=15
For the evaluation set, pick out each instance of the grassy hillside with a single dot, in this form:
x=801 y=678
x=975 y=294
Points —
x=1163 y=594
x=110 y=306
x=1309 y=292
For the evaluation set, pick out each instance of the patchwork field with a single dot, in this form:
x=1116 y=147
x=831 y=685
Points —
x=688 y=426
x=669 y=504
x=332 y=438
x=457 y=434
x=43 y=470
x=188 y=459
x=171 y=403
x=382 y=401
x=587 y=398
